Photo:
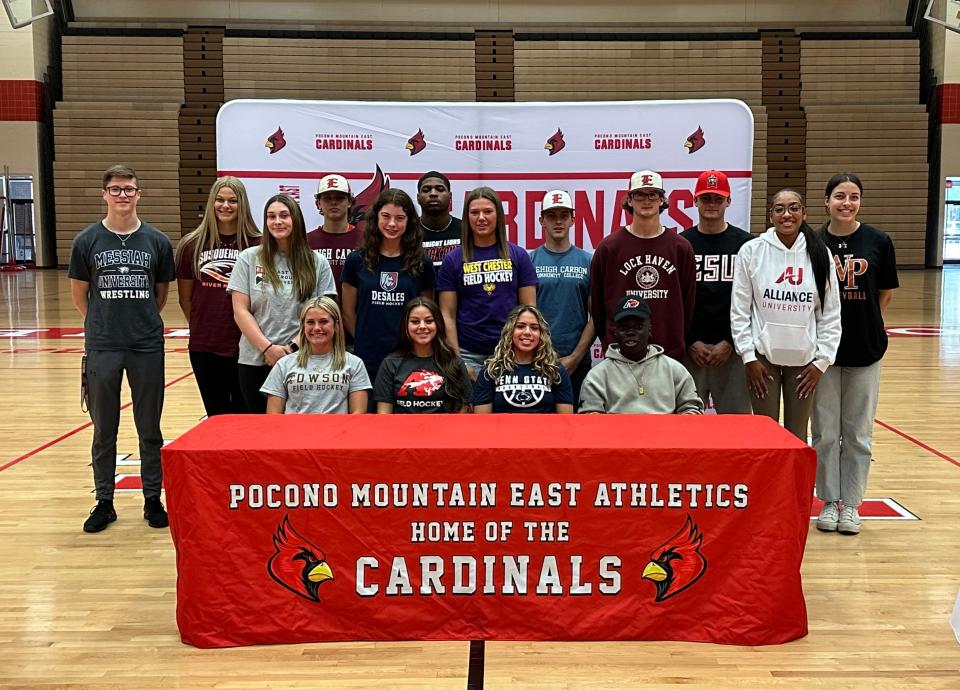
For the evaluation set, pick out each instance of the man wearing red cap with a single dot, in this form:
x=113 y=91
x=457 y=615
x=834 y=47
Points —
x=715 y=367
x=336 y=237
x=644 y=260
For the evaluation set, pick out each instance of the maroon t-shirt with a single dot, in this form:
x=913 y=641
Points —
x=212 y=328
x=335 y=247
x=662 y=270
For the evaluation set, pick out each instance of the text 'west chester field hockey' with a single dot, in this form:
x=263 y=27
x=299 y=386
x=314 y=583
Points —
x=485 y=505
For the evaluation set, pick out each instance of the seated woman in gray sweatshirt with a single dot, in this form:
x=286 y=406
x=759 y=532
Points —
x=636 y=377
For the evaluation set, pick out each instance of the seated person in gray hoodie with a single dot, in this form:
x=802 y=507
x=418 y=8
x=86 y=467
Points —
x=636 y=377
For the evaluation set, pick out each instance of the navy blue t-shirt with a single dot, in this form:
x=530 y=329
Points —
x=381 y=296
x=523 y=390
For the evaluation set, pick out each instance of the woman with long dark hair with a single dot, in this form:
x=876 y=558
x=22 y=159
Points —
x=785 y=313
x=387 y=271
x=846 y=400
x=524 y=373
x=423 y=373
x=205 y=260
x=321 y=377
x=482 y=280
x=269 y=286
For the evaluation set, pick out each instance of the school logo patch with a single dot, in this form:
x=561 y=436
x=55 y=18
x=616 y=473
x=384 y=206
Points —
x=389 y=280
x=648 y=277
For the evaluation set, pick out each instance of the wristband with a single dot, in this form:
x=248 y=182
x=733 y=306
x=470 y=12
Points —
x=267 y=348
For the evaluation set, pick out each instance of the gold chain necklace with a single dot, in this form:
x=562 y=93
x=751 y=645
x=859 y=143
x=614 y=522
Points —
x=639 y=381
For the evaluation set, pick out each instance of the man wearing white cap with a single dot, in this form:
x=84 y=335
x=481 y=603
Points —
x=563 y=288
x=711 y=360
x=644 y=260
x=336 y=237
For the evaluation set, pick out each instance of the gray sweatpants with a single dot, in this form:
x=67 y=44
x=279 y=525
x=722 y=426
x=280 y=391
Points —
x=145 y=375
x=843 y=411
x=727 y=385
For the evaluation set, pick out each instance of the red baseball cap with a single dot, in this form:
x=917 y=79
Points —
x=712 y=182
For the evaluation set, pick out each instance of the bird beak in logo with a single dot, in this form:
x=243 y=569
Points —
x=678 y=563
x=297 y=564
x=275 y=141
x=416 y=143
x=695 y=141
x=555 y=143
x=365 y=199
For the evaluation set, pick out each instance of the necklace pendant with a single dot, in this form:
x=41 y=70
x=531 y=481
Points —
x=640 y=389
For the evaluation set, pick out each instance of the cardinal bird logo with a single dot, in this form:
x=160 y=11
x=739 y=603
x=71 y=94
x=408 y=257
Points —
x=555 y=143
x=416 y=143
x=676 y=564
x=695 y=141
x=275 y=141
x=298 y=565
x=365 y=199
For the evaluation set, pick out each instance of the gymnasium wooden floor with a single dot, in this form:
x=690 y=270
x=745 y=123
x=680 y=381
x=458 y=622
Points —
x=81 y=610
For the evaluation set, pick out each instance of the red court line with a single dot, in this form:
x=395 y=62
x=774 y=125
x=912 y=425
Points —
x=78 y=430
x=914 y=441
x=581 y=175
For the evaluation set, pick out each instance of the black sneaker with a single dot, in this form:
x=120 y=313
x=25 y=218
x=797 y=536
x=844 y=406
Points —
x=154 y=513
x=101 y=515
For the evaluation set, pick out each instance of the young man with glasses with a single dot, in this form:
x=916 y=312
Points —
x=644 y=260
x=120 y=272
x=337 y=237
x=710 y=357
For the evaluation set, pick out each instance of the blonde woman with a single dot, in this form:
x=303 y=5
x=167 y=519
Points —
x=205 y=260
x=269 y=286
x=321 y=377
x=524 y=373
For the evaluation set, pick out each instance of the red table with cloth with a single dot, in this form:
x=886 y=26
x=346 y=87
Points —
x=297 y=528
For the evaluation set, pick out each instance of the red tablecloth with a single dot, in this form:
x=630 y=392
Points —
x=509 y=527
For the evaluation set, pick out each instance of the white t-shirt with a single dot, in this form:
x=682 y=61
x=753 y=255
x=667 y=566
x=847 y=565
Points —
x=277 y=311
x=316 y=388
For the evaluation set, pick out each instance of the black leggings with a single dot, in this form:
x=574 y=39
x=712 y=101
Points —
x=218 y=383
x=251 y=379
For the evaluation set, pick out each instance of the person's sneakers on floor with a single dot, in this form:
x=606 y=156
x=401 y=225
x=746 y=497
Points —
x=849 y=522
x=154 y=513
x=829 y=517
x=101 y=515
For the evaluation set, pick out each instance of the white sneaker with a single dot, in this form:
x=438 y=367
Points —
x=849 y=522
x=829 y=517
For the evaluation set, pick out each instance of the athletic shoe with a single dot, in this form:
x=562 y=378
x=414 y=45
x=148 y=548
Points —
x=154 y=513
x=849 y=522
x=101 y=515
x=829 y=516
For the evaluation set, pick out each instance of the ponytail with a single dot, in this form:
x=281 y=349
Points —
x=819 y=258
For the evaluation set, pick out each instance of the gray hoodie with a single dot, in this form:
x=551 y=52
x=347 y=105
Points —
x=614 y=385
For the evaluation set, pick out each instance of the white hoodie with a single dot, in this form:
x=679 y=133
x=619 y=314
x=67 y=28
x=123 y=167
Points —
x=775 y=309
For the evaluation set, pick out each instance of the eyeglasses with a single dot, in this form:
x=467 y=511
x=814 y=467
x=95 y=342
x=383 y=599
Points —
x=780 y=209
x=127 y=191
x=645 y=196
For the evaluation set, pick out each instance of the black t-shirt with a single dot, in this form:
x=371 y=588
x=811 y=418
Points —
x=866 y=263
x=716 y=256
x=414 y=385
x=523 y=390
x=438 y=243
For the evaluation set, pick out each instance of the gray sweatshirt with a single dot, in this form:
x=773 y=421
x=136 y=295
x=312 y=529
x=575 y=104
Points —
x=614 y=385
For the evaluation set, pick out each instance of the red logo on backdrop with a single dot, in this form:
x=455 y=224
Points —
x=297 y=564
x=416 y=143
x=365 y=199
x=678 y=563
x=275 y=141
x=292 y=190
x=421 y=383
x=792 y=275
x=555 y=143
x=695 y=141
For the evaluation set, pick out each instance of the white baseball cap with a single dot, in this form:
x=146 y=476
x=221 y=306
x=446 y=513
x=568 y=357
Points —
x=333 y=183
x=556 y=198
x=646 y=179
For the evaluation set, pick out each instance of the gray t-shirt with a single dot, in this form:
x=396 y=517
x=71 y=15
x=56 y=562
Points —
x=277 y=311
x=122 y=309
x=316 y=388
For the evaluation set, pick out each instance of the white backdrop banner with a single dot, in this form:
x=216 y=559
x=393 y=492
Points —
x=520 y=149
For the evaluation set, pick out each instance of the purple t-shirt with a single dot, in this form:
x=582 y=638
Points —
x=486 y=292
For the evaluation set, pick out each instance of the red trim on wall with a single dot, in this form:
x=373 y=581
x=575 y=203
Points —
x=21 y=100
x=948 y=98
